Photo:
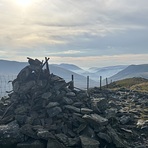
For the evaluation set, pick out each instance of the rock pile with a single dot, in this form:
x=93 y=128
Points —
x=44 y=111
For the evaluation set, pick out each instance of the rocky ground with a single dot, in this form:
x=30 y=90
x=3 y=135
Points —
x=44 y=111
x=127 y=112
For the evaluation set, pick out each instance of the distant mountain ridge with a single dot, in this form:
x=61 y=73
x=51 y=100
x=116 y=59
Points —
x=94 y=72
x=116 y=67
x=79 y=80
x=132 y=71
x=13 y=68
x=69 y=66
x=109 y=71
x=64 y=70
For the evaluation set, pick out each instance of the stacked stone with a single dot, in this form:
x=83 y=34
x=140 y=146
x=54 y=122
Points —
x=45 y=112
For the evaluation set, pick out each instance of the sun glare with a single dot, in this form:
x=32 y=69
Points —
x=24 y=3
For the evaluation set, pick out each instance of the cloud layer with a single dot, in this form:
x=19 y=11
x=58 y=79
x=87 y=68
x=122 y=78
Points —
x=77 y=30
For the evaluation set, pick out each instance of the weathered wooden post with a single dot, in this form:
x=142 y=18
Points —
x=100 y=82
x=106 y=82
x=87 y=83
x=1 y=85
x=72 y=80
x=47 y=66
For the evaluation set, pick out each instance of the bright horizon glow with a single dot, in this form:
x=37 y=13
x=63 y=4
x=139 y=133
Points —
x=85 y=33
x=24 y=3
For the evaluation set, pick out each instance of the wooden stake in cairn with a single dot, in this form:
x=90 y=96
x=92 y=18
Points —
x=47 y=65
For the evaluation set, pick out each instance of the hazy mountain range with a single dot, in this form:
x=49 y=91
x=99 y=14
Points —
x=13 y=68
x=65 y=71
x=132 y=71
x=94 y=72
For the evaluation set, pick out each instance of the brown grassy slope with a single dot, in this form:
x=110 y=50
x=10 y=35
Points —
x=139 y=84
x=142 y=87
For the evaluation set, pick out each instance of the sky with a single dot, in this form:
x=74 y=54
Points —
x=88 y=33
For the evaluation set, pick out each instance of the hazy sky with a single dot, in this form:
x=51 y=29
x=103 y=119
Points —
x=83 y=32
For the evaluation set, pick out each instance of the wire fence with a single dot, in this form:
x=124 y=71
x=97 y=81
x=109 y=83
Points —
x=84 y=84
x=6 y=84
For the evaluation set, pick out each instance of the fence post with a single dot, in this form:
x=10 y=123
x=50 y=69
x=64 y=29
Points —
x=1 y=86
x=87 y=83
x=106 y=82
x=72 y=80
x=100 y=82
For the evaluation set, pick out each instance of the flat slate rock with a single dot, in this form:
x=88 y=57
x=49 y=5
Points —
x=52 y=112
x=72 y=108
x=34 y=144
x=89 y=142
x=95 y=118
x=115 y=138
x=55 y=144
x=10 y=133
x=86 y=110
